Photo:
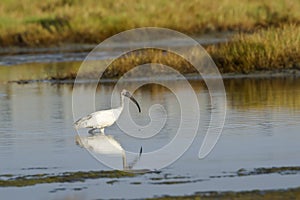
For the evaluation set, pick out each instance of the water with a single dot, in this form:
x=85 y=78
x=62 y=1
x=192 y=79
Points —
x=261 y=130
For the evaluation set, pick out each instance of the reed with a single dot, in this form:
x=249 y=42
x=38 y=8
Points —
x=274 y=48
x=44 y=23
x=264 y=50
x=269 y=49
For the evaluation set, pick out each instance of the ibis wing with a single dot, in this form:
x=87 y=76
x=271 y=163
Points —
x=106 y=118
x=99 y=119
x=83 y=122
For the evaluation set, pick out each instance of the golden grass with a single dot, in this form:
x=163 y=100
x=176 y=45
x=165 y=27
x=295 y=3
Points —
x=274 y=48
x=144 y=56
x=50 y=22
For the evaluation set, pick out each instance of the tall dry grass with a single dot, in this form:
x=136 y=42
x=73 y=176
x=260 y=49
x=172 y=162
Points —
x=49 y=22
x=268 y=49
x=274 y=48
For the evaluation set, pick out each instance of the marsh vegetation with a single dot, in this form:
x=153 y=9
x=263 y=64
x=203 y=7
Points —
x=266 y=32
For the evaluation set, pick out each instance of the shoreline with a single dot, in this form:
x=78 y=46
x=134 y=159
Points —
x=114 y=176
x=291 y=73
x=274 y=50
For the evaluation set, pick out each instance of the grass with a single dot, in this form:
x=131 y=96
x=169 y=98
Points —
x=268 y=49
x=128 y=61
x=44 y=23
x=21 y=181
x=287 y=170
x=274 y=48
x=268 y=38
x=264 y=170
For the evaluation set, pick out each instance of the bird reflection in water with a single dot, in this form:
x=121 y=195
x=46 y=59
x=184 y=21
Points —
x=106 y=145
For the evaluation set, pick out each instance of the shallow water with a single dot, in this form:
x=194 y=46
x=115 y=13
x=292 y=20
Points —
x=261 y=130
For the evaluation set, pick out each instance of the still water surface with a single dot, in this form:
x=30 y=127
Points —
x=261 y=130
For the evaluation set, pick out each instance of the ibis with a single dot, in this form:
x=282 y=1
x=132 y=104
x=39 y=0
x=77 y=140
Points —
x=104 y=118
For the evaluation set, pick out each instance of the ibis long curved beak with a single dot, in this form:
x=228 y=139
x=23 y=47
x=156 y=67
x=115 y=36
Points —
x=136 y=103
x=127 y=94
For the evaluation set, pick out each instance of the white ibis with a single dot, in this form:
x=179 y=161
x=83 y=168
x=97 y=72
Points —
x=107 y=145
x=104 y=118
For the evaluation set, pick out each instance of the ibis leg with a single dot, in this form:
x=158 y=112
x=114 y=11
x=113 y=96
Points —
x=102 y=130
x=92 y=131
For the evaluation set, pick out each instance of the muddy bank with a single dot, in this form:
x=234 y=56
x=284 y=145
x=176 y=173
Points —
x=295 y=73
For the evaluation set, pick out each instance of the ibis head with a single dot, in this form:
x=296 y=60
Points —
x=129 y=95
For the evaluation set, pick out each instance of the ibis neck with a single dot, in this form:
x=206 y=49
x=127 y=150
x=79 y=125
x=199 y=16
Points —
x=122 y=101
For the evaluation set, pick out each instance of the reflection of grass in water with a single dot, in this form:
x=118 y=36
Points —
x=278 y=93
x=257 y=93
x=21 y=181
x=39 y=71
